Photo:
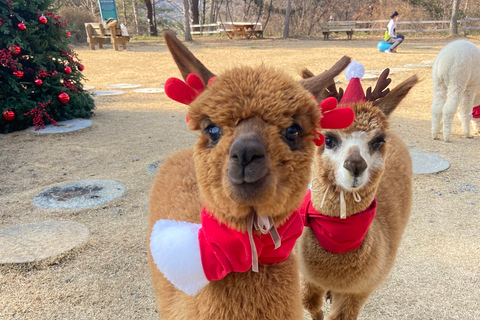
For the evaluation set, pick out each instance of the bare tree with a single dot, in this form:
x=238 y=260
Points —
x=453 y=23
x=152 y=29
x=124 y=12
x=135 y=15
x=287 y=20
x=186 y=11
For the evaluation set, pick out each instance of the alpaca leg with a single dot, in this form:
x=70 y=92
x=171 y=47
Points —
x=465 y=111
x=449 y=110
x=347 y=306
x=312 y=299
x=439 y=98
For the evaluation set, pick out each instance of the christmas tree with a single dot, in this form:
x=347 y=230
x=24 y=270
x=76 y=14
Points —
x=40 y=76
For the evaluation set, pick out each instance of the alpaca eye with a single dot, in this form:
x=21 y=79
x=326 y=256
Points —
x=292 y=132
x=330 y=142
x=378 y=144
x=214 y=133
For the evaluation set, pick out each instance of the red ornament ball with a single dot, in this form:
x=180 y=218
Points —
x=9 y=115
x=69 y=34
x=63 y=97
x=81 y=67
x=15 y=50
x=42 y=19
x=18 y=73
x=67 y=70
x=21 y=26
x=38 y=82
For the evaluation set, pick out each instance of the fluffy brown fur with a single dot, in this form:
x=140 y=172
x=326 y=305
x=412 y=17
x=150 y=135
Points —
x=352 y=276
x=243 y=102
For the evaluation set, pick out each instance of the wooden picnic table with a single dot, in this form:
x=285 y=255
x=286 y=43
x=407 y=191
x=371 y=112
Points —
x=245 y=29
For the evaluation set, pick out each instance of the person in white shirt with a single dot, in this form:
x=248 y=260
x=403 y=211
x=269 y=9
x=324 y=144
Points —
x=390 y=36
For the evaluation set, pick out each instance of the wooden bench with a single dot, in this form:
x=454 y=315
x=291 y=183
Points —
x=97 y=33
x=338 y=26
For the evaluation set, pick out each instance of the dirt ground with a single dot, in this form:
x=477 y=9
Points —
x=437 y=274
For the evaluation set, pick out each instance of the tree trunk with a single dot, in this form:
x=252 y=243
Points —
x=212 y=12
x=135 y=16
x=195 y=12
x=186 y=9
x=124 y=12
x=287 y=20
x=453 y=23
x=151 y=30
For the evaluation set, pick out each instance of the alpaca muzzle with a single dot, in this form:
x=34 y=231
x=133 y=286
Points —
x=248 y=163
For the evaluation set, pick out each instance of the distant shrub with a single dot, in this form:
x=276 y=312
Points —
x=76 y=19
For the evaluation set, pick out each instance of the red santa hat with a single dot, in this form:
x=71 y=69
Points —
x=354 y=92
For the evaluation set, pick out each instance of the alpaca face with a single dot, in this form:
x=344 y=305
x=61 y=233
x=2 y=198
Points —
x=256 y=143
x=353 y=158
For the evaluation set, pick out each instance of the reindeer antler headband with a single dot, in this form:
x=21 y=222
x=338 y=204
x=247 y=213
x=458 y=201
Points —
x=332 y=118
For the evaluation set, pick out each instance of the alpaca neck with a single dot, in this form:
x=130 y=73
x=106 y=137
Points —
x=334 y=201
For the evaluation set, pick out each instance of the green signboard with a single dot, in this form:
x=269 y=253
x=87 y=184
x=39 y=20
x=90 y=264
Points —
x=108 y=9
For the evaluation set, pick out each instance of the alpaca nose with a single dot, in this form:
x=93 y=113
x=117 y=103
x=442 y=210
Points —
x=247 y=160
x=355 y=164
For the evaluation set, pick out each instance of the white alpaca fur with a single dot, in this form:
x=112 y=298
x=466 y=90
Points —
x=456 y=78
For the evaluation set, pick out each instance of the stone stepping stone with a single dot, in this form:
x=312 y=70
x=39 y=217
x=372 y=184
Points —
x=392 y=70
x=152 y=168
x=428 y=61
x=418 y=65
x=40 y=240
x=80 y=194
x=369 y=76
x=424 y=163
x=150 y=90
x=107 y=92
x=422 y=47
x=64 y=126
x=87 y=88
x=124 y=86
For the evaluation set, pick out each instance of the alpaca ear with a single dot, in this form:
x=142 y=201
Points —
x=186 y=62
x=317 y=84
x=390 y=102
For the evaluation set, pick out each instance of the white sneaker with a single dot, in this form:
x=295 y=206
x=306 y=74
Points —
x=388 y=51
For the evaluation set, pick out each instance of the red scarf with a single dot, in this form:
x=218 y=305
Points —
x=334 y=234
x=224 y=250
x=476 y=112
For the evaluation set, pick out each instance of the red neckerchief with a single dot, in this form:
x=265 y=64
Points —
x=476 y=112
x=224 y=250
x=334 y=234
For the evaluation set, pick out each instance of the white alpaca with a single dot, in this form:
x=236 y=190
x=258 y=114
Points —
x=456 y=78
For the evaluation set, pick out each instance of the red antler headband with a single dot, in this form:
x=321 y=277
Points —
x=333 y=118
x=183 y=92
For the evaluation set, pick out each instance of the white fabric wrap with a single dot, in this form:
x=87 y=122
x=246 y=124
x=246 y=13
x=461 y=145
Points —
x=176 y=251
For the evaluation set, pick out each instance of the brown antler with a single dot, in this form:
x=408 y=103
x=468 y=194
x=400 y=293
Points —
x=381 y=89
x=332 y=91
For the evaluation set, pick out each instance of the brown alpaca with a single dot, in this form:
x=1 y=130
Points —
x=252 y=159
x=363 y=162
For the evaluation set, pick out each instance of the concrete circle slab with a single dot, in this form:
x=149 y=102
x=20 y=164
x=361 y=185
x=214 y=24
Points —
x=64 y=126
x=80 y=194
x=124 y=86
x=87 y=88
x=424 y=163
x=150 y=90
x=40 y=240
x=418 y=65
x=107 y=92
x=428 y=61
x=152 y=168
